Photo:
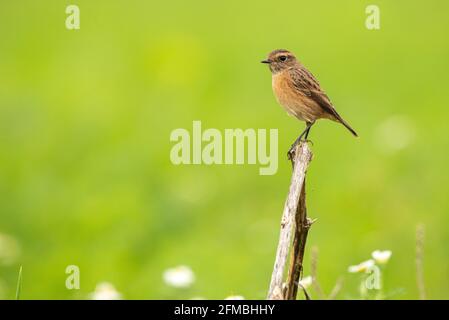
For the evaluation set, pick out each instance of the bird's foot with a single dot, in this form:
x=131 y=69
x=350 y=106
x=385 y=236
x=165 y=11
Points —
x=308 y=141
x=291 y=151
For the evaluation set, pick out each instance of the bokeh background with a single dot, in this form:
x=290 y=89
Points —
x=85 y=120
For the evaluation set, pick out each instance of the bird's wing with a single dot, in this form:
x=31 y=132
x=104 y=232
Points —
x=305 y=82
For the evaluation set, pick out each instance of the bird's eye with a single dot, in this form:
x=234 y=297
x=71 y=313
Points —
x=283 y=58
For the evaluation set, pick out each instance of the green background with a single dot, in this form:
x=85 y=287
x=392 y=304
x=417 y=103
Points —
x=85 y=120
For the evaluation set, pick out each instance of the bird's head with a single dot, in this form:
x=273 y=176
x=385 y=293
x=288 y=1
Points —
x=279 y=60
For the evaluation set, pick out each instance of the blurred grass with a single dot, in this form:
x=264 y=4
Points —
x=19 y=284
x=85 y=118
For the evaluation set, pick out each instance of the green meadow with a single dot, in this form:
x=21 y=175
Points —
x=86 y=117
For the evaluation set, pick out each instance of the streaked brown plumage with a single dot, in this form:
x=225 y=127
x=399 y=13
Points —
x=297 y=90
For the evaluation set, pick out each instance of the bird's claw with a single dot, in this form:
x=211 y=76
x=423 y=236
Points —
x=291 y=154
x=308 y=141
x=291 y=151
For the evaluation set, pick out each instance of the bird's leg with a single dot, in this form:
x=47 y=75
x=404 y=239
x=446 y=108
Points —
x=306 y=133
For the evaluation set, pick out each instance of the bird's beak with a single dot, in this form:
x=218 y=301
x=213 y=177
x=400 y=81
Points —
x=266 y=61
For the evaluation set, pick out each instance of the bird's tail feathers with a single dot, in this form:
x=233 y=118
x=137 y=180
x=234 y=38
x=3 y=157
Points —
x=343 y=122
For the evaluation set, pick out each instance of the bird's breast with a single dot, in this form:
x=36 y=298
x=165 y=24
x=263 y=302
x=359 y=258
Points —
x=293 y=101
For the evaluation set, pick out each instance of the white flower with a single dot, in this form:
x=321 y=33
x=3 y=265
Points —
x=305 y=282
x=105 y=291
x=365 y=266
x=381 y=257
x=179 y=277
x=235 y=298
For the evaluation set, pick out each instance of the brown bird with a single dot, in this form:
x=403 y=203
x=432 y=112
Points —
x=297 y=90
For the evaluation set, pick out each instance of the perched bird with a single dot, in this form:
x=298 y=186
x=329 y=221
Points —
x=297 y=90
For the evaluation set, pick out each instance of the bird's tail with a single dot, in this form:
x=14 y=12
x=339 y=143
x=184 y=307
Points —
x=343 y=122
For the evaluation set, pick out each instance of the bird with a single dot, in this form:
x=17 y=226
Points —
x=300 y=93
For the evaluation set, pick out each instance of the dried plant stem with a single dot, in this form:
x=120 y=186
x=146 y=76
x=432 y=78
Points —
x=294 y=218
x=314 y=273
x=336 y=289
x=302 y=224
x=420 y=261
